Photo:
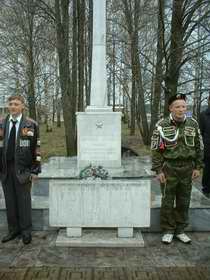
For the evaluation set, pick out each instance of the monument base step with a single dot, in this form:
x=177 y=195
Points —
x=99 y=238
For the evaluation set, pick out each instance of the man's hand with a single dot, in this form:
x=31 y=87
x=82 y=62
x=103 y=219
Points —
x=195 y=174
x=34 y=177
x=161 y=178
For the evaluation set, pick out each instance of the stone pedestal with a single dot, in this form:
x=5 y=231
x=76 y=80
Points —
x=120 y=204
x=99 y=139
x=99 y=238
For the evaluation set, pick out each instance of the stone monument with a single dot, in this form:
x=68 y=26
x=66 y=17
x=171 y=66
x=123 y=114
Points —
x=80 y=204
x=98 y=128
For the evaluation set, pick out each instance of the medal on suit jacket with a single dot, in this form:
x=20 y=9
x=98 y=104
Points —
x=24 y=131
x=1 y=132
x=27 y=132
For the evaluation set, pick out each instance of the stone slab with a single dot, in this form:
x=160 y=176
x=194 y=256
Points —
x=99 y=203
x=199 y=219
x=66 y=167
x=99 y=238
x=125 y=232
x=74 y=232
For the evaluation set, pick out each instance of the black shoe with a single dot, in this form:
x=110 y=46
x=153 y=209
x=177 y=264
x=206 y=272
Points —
x=10 y=236
x=26 y=237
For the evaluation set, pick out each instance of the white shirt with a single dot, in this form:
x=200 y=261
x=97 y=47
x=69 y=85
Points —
x=18 y=119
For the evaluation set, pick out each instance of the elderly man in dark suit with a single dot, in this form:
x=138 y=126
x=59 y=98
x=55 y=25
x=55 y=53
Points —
x=19 y=166
x=205 y=132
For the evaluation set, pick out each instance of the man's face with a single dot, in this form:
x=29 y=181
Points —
x=178 y=108
x=15 y=107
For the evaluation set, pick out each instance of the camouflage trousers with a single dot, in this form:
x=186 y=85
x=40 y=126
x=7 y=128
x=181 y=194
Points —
x=176 y=194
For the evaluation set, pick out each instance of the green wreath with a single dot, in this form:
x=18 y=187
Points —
x=94 y=172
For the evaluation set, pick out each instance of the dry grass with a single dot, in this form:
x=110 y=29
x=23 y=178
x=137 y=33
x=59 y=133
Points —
x=53 y=143
x=134 y=142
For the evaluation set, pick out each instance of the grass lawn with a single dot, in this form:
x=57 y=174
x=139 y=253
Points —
x=53 y=143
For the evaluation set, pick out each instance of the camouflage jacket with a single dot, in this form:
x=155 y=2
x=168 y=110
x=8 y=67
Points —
x=176 y=141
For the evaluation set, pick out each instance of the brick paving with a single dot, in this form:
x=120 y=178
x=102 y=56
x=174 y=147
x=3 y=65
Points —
x=43 y=260
x=61 y=273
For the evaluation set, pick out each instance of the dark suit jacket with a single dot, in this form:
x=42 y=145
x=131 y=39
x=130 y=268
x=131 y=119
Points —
x=205 y=131
x=27 y=151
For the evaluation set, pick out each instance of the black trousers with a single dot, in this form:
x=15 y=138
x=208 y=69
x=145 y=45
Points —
x=206 y=175
x=18 y=202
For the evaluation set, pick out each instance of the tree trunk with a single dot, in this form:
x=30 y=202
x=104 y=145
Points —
x=113 y=76
x=175 y=53
x=74 y=49
x=133 y=90
x=68 y=95
x=30 y=61
x=141 y=115
x=109 y=85
x=158 y=68
x=59 y=105
x=48 y=104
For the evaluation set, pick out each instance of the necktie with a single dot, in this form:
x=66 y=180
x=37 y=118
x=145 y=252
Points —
x=11 y=142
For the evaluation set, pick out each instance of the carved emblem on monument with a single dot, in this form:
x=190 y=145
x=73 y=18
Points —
x=99 y=125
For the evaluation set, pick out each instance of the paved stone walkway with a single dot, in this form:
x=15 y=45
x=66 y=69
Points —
x=191 y=273
x=42 y=260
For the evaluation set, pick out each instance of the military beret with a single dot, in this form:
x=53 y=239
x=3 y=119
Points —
x=178 y=96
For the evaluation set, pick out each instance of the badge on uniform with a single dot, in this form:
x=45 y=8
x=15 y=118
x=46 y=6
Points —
x=154 y=144
x=1 y=132
x=38 y=158
x=1 y=143
x=170 y=136
x=30 y=133
x=189 y=136
x=155 y=140
x=24 y=143
x=200 y=139
x=27 y=132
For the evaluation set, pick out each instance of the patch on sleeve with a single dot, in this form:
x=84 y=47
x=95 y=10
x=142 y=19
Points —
x=1 y=132
x=38 y=158
x=155 y=140
x=200 y=140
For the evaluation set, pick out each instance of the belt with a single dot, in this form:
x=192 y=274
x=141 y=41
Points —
x=178 y=162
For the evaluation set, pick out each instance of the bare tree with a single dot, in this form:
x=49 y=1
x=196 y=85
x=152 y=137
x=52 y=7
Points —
x=68 y=94
x=183 y=23
x=156 y=94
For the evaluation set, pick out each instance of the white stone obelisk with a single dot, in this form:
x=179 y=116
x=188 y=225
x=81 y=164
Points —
x=98 y=128
x=98 y=98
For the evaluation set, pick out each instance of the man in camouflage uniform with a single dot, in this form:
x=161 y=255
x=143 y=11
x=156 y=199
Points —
x=177 y=159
